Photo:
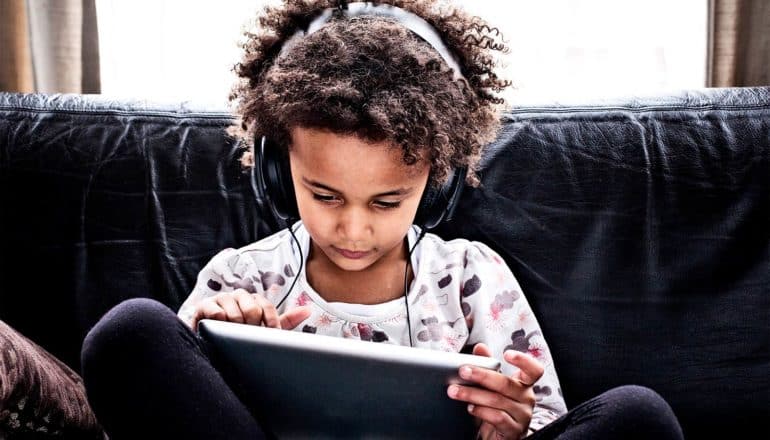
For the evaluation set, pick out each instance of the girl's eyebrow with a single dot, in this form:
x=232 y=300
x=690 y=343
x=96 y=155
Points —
x=395 y=192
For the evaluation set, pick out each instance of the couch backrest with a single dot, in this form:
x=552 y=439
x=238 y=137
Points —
x=639 y=230
x=106 y=200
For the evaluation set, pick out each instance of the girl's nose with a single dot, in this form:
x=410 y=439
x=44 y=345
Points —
x=354 y=225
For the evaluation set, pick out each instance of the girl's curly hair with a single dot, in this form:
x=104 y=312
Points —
x=372 y=77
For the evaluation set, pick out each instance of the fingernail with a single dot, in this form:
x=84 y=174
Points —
x=471 y=407
x=466 y=372
x=453 y=390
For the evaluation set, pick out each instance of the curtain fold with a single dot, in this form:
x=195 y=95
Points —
x=739 y=43
x=52 y=46
x=15 y=53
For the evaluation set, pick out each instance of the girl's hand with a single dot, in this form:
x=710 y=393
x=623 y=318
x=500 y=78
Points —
x=502 y=405
x=247 y=308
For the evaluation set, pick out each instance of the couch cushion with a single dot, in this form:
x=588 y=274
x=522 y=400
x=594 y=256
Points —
x=40 y=396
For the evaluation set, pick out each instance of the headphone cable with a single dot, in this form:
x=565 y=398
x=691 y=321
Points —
x=406 y=277
x=406 y=284
x=301 y=265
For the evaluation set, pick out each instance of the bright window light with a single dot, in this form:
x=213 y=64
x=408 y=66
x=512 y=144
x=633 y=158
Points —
x=171 y=50
x=565 y=50
x=560 y=50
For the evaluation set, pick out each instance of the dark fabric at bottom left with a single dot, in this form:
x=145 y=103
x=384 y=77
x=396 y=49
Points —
x=40 y=396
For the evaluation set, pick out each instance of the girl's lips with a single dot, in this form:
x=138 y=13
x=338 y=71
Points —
x=353 y=255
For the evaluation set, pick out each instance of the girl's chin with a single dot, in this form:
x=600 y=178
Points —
x=352 y=265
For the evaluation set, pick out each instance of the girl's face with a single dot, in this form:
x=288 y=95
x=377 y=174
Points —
x=356 y=199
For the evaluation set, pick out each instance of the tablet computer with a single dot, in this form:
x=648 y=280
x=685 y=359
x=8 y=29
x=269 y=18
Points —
x=303 y=385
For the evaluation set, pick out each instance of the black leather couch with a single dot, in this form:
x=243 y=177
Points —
x=639 y=229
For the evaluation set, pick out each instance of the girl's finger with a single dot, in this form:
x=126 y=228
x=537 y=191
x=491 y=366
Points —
x=481 y=349
x=228 y=303
x=208 y=310
x=486 y=431
x=490 y=379
x=269 y=313
x=519 y=408
x=502 y=425
x=530 y=369
x=294 y=317
x=250 y=308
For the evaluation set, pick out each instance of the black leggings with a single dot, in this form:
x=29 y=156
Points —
x=148 y=376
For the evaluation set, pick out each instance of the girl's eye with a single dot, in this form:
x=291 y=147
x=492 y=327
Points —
x=324 y=198
x=330 y=199
x=387 y=205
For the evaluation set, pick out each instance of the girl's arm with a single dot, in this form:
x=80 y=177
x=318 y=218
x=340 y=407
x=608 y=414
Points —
x=217 y=276
x=227 y=290
x=500 y=317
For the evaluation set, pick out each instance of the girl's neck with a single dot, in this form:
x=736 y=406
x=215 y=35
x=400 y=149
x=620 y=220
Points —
x=381 y=282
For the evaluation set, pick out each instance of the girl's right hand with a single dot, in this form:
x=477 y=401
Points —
x=246 y=308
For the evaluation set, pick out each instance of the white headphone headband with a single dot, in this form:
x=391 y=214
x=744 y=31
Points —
x=413 y=22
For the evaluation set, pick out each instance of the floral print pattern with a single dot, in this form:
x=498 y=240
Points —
x=463 y=293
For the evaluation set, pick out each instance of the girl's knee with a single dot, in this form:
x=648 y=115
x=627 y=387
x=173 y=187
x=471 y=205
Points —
x=126 y=326
x=639 y=399
x=642 y=410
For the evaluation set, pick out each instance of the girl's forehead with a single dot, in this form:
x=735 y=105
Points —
x=333 y=156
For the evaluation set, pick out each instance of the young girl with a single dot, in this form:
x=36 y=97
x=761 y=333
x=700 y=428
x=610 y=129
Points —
x=365 y=119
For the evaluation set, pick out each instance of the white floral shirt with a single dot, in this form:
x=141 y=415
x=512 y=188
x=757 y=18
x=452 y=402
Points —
x=463 y=293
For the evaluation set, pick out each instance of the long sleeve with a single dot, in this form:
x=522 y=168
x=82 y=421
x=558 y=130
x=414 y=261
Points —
x=266 y=267
x=499 y=315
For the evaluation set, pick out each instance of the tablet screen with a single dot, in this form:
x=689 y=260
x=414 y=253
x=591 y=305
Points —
x=302 y=385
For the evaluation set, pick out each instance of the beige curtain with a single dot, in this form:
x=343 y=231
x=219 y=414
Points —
x=739 y=43
x=15 y=56
x=49 y=46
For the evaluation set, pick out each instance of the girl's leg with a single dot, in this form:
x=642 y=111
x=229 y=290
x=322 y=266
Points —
x=147 y=376
x=628 y=412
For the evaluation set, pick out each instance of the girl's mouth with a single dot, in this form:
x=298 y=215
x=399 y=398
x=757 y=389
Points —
x=353 y=255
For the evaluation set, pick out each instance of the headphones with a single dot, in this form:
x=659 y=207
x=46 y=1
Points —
x=271 y=173
x=271 y=181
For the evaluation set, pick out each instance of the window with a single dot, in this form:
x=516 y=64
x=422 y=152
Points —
x=166 y=50
x=585 y=49
x=565 y=50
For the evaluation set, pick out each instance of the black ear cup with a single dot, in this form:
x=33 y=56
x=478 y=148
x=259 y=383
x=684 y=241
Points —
x=271 y=175
x=438 y=204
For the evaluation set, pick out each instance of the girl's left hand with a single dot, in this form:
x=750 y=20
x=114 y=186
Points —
x=502 y=405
